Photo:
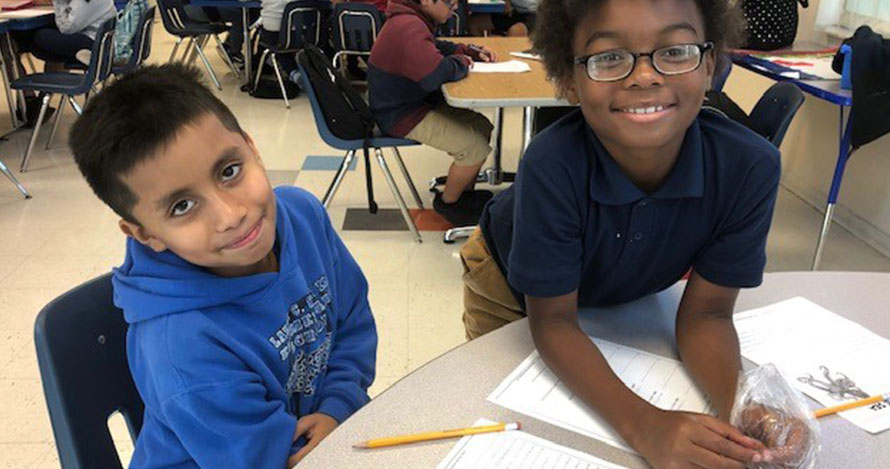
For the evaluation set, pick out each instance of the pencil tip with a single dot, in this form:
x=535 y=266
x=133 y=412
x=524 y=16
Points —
x=360 y=446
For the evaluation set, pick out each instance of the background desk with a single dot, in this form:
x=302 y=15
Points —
x=501 y=90
x=451 y=391
x=828 y=90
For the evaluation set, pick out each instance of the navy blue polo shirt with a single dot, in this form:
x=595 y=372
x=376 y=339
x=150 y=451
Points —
x=574 y=221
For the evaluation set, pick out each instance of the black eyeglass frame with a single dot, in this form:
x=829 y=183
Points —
x=702 y=48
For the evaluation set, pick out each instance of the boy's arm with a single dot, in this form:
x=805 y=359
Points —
x=707 y=340
x=352 y=361
x=664 y=438
x=419 y=58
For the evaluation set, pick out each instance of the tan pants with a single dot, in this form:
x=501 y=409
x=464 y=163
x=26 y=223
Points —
x=488 y=301
x=462 y=133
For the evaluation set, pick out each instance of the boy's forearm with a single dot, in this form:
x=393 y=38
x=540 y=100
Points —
x=578 y=363
x=709 y=348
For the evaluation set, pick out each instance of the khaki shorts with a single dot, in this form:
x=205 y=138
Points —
x=488 y=301
x=462 y=133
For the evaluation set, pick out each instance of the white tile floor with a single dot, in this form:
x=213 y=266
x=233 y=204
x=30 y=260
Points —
x=64 y=236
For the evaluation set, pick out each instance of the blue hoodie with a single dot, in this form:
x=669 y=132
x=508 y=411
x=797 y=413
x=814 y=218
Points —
x=227 y=365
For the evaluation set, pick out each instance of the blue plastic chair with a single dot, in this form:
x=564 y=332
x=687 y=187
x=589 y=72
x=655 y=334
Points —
x=351 y=146
x=81 y=351
x=141 y=44
x=774 y=111
x=303 y=22
x=178 y=23
x=69 y=84
x=356 y=26
x=457 y=23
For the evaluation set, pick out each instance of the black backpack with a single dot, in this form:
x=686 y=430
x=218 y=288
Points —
x=345 y=111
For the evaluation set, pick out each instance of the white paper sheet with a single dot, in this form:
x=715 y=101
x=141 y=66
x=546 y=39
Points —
x=510 y=66
x=532 y=389
x=799 y=336
x=517 y=449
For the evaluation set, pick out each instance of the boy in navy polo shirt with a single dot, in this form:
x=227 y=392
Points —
x=619 y=200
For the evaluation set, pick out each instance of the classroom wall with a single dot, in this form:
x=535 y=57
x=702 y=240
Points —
x=809 y=155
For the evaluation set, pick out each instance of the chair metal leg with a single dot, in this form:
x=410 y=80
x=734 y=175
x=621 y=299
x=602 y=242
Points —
x=259 y=70
x=75 y=106
x=52 y=134
x=280 y=81
x=823 y=234
x=225 y=56
x=338 y=179
x=200 y=51
x=454 y=234
x=408 y=179
x=398 y=196
x=175 y=48
x=35 y=132
x=191 y=54
x=11 y=98
x=15 y=181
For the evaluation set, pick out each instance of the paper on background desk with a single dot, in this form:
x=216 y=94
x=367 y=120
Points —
x=513 y=449
x=510 y=66
x=534 y=390
x=799 y=336
x=813 y=64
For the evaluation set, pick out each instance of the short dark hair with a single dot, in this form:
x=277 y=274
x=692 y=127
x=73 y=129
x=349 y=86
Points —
x=134 y=118
x=557 y=20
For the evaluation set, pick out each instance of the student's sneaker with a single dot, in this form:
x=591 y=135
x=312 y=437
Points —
x=236 y=56
x=466 y=210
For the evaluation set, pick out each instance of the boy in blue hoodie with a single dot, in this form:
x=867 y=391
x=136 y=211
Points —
x=250 y=333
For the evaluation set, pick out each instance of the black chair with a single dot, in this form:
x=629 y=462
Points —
x=178 y=23
x=69 y=84
x=775 y=110
x=457 y=23
x=81 y=350
x=141 y=44
x=355 y=26
x=303 y=22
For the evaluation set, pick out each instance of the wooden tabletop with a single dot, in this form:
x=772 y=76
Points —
x=502 y=89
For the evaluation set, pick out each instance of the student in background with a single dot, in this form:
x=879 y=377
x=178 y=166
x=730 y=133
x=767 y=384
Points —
x=250 y=335
x=619 y=200
x=407 y=67
x=518 y=19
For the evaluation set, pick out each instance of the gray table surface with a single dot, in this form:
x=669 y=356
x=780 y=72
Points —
x=451 y=391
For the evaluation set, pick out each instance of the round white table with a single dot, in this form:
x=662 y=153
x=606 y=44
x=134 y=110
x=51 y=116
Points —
x=451 y=391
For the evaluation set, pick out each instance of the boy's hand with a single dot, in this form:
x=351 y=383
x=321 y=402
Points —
x=786 y=437
x=687 y=440
x=315 y=427
x=465 y=59
x=487 y=55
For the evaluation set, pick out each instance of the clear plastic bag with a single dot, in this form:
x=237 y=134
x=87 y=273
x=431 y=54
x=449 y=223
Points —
x=768 y=409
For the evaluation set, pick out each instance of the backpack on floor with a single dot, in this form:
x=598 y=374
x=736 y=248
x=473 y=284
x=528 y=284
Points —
x=127 y=24
x=345 y=111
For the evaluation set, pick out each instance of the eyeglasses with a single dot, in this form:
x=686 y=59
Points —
x=618 y=64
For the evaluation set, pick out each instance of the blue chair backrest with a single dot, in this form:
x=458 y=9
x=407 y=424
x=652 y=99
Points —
x=304 y=21
x=81 y=350
x=356 y=26
x=775 y=109
x=457 y=23
x=102 y=57
x=173 y=16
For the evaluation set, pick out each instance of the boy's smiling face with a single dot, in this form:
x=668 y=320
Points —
x=640 y=26
x=205 y=196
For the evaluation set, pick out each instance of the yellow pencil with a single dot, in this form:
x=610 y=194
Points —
x=428 y=436
x=852 y=405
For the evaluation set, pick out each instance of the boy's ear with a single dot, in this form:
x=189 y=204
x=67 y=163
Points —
x=711 y=67
x=137 y=232
x=570 y=90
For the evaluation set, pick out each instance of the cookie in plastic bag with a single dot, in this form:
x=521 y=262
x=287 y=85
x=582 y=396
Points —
x=768 y=409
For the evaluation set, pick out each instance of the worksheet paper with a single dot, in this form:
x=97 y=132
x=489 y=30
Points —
x=799 y=337
x=534 y=390
x=510 y=66
x=517 y=449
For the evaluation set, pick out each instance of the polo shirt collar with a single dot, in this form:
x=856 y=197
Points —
x=610 y=186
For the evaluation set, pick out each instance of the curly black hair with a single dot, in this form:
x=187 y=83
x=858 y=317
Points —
x=557 y=20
